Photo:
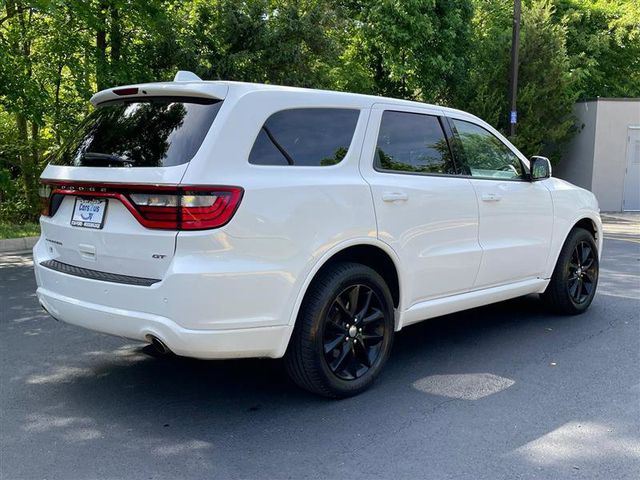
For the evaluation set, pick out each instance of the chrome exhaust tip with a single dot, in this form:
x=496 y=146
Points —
x=159 y=345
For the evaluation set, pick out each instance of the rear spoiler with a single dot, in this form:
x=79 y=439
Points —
x=185 y=84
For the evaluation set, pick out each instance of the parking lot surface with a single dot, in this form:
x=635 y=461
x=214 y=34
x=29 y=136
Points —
x=504 y=391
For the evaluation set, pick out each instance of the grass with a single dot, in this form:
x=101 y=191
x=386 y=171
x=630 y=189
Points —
x=8 y=230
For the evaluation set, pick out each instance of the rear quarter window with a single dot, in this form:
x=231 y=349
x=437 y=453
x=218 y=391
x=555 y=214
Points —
x=310 y=137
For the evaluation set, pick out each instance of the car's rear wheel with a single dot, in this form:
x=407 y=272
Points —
x=575 y=277
x=343 y=333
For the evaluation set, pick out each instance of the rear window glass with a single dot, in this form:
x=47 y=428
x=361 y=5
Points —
x=308 y=137
x=154 y=132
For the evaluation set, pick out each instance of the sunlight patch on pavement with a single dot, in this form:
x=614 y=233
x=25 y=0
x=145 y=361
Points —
x=60 y=375
x=43 y=423
x=16 y=260
x=181 y=448
x=575 y=441
x=617 y=284
x=463 y=386
x=82 y=434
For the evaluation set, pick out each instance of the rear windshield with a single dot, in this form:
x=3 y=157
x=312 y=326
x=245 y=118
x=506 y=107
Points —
x=154 y=132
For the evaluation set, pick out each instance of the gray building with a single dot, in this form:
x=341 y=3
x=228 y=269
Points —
x=604 y=156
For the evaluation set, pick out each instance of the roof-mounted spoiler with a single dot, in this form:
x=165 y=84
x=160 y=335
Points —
x=185 y=84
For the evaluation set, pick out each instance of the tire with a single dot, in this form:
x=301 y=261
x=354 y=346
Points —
x=575 y=277
x=339 y=346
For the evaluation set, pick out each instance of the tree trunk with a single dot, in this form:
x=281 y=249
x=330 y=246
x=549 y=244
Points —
x=115 y=36
x=101 y=48
x=56 y=111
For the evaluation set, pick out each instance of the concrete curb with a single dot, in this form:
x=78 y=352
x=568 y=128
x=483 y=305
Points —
x=17 y=244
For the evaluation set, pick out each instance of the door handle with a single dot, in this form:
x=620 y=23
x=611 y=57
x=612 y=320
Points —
x=491 y=197
x=395 y=197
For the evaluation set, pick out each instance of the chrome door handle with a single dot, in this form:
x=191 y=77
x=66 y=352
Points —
x=491 y=197
x=395 y=197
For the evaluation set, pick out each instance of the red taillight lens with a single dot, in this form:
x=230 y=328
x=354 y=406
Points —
x=192 y=208
x=45 y=196
x=165 y=207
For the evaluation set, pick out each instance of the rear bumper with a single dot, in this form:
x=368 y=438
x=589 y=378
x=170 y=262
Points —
x=195 y=310
x=208 y=344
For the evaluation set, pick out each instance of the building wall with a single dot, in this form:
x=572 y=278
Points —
x=596 y=158
x=577 y=165
x=610 y=152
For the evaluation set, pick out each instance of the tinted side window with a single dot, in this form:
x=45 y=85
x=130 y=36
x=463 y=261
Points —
x=484 y=154
x=413 y=142
x=305 y=136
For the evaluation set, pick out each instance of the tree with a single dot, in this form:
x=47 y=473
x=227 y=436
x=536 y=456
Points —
x=603 y=44
x=410 y=49
x=545 y=92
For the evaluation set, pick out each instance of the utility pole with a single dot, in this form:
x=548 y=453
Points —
x=513 y=77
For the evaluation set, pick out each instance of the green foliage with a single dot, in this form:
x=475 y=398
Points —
x=8 y=230
x=410 y=49
x=56 y=53
x=546 y=92
x=603 y=44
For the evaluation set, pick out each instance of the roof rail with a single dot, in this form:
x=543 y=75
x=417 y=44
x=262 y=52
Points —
x=186 y=76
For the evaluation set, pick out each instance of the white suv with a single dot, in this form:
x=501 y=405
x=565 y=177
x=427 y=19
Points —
x=225 y=220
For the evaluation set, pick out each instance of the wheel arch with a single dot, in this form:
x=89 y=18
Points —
x=368 y=251
x=588 y=224
x=587 y=220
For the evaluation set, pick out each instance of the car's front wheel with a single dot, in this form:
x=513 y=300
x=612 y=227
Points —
x=575 y=277
x=343 y=333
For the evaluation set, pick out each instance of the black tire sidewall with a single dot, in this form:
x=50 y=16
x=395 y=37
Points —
x=356 y=274
x=578 y=235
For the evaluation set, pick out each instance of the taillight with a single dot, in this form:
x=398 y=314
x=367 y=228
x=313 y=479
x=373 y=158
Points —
x=164 y=207
x=190 y=208
x=45 y=196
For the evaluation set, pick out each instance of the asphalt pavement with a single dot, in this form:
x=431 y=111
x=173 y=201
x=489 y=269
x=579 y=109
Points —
x=505 y=391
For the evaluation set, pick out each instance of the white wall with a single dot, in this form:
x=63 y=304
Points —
x=596 y=158
x=610 y=152
x=576 y=166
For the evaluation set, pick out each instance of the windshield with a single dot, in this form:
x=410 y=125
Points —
x=154 y=132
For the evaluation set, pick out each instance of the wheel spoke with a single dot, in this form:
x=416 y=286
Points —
x=586 y=253
x=353 y=300
x=575 y=257
x=573 y=288
x=337 y=326
x=337 y=363
x=342 y=307
x=587 y=287
x=376 y=315
x=329 y=346
x=372 y=339
x=367 y=303
x=362 y=354
x=578 y=290
x=590 y=276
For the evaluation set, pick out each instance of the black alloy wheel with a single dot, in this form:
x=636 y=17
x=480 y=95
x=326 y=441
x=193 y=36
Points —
x=354 y=331
x=582 y=277
x=343 y=333
x=575 y=276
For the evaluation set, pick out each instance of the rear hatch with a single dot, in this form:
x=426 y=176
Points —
x=113 y=198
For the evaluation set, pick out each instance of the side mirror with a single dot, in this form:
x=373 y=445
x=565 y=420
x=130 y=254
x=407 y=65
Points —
x=540 y=168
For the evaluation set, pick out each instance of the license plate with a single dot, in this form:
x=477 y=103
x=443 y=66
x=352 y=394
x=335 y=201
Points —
x=89 y=212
